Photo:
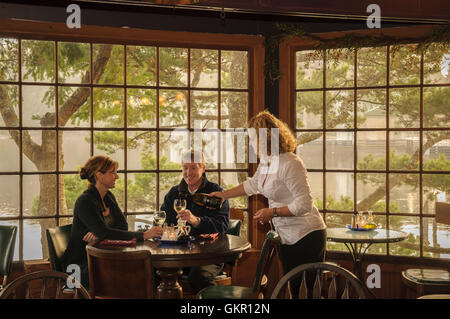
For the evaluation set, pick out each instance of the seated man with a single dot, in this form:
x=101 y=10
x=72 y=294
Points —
x=201 y=219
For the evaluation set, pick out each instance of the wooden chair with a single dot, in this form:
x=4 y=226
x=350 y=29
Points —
x=7 y=243
x=51 y=286
x=352 y=284
x=269 y=267
x=57 y=241
x=120 y=274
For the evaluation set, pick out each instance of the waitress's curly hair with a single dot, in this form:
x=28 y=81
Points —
x=265 y=119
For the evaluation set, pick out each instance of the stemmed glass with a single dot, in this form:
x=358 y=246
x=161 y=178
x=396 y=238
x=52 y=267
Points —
x=179 y=204
x=160 y=217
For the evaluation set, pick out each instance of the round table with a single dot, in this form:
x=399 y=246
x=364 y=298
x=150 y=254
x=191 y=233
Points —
x=168 y=259
x=357 y=242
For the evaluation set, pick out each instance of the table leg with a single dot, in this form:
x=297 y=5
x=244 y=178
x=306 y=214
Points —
x=169 y=288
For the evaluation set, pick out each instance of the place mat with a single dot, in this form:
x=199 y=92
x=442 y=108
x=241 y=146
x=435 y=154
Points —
x=115 y=242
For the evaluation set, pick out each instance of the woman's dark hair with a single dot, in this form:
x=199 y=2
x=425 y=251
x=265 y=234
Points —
x=98 y=163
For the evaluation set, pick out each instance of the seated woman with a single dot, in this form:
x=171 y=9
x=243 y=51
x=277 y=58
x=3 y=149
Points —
x=97 y=215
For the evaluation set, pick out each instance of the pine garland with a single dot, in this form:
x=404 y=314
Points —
x=341 y=48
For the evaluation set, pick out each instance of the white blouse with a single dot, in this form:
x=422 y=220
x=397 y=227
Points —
x=285 y=183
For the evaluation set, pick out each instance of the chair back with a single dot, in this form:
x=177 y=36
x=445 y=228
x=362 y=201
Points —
x=353 y=287
x=7 y=244
x=234 y=227
x=119 y=273
x=51 y=286
x=269 y=269
x=57 y=240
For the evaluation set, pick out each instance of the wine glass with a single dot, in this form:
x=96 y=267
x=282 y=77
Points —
x=160 y=217
x=179 y=204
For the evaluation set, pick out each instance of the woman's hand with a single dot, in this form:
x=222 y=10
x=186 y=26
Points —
x=219 y=194
x=263 y=215
x=155 y=231
x=90 y=238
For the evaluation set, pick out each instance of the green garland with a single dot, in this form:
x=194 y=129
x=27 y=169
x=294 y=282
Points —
x=339 y=48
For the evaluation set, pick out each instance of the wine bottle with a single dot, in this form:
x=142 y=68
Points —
x=210 y=202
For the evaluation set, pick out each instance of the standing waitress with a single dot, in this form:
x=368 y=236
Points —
x=97 y=215
x=282 y=179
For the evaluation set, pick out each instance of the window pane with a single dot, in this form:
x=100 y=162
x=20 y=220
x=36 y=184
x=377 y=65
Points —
x=204 y=109
x=172 y=108
x=141 y=65
x=74 y=106
x=204 y=68
x=371 y=108
x=110 y=143
x=234 y=69
x=173 y=66
x=404 y=107
x=371 y=150
x=371 y=192
x=9 y=99
x=74 y=186
x=75 y=149
x=310 y=152
x=74 y=62
x=231 y=179
x=404 y=148
x=340 y=68
x=141 y=108
x=340 y=146
x=9 y=196
x=234 y=149
x=337 y=220
x=340 y=192
x=141 y=188
x=166 y=182
x=436 y=187
x=141 y=150
x=315 y=181
x=43 y=161
x=108 y=108
x=32 y=234
x=372 y=66
x=10 y=151
x=411 y=226
x=309 y=108
x=9 y=59
x=38 y=106
x=309 y=70
x=140 y=220
x=435 y=64
x=436 y=107
x=171 y=148
x=113 y=73
x=38 y=61
x=436 y=239
x=404 y=193
x=436 y=155
x=234 y=109
x=404 y=64
x=39 y=195
x=340 y=108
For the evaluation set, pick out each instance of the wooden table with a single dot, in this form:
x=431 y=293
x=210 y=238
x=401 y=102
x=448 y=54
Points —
x=357 y=242
x=168 y=259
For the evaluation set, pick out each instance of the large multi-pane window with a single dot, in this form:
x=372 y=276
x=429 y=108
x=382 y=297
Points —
x=373 y=127
x=143 y=105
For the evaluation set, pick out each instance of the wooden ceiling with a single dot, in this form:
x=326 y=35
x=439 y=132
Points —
x=391 y=10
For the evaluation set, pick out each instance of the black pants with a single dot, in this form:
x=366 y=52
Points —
x=309 y=249
x=202 y=276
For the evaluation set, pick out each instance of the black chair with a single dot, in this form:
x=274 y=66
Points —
x=7 y=244
x=268 y=272
x=52 y=286
x=351 y=288
x=57 y=240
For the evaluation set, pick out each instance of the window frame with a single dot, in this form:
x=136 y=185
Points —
x=30 y=30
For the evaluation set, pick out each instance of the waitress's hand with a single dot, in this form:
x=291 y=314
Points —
x=263 y=215
x=90 y=238
x=218 y=194
x=155 y=231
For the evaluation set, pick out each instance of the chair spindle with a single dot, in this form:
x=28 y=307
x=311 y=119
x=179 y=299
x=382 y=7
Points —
x=317 y=289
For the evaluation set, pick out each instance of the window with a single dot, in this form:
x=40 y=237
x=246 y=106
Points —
x=373 y=127
x=63 y=101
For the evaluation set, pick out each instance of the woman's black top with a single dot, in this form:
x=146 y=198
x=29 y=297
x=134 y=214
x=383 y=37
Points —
x=88 y=217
